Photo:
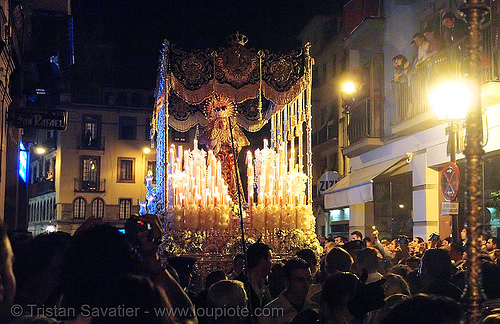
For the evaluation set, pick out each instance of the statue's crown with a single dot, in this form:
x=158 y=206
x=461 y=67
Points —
x=237 y=38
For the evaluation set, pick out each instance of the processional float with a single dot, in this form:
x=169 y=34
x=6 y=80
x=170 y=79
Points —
x=205 y=206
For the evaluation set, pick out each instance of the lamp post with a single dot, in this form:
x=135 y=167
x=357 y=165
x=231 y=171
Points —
x=474 y=11
x=451 y=109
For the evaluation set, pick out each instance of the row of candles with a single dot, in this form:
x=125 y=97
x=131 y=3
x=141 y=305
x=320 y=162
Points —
x=198 y=190
x=280 y=181
x=196 y=178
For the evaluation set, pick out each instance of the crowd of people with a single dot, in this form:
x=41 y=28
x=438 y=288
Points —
x=99 y=275
x=428 y=42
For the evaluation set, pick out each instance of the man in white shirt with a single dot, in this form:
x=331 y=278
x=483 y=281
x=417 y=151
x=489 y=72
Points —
x=292 y=300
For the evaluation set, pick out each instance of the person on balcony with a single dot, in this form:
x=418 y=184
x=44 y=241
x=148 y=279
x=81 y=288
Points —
x=401 y=66
x=423 y=48
x=435 y=41
x=453 y=29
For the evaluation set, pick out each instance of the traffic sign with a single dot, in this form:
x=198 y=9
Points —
x=450 y=181
x=449 y=208
x=327 y=179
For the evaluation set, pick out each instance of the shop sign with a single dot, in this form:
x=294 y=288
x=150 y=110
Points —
x=54 y=119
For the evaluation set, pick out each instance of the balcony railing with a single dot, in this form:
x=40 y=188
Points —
x=365 y=120
x=90 y=185
x=410 y=96
x=41 y=187
x=91 y=144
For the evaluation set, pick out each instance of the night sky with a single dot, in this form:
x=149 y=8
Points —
x=137 y=28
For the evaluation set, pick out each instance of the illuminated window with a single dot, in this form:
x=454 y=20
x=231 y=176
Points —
x=79 y=207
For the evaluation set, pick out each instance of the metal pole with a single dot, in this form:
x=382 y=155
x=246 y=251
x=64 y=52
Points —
x=452 y=136
x=474 y=10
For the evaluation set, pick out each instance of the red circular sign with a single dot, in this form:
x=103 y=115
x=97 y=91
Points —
x=450 y=181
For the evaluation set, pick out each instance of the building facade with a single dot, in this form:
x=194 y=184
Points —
x=395 y=144
x=97 y=166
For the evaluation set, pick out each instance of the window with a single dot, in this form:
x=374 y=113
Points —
x=136 y=99
x=128 y=128
x=125 y=208
x=126 y=170
x=98 y=207
x=121 y=98
x=91 y=130
x=79 y=205
x=151 y=167
x=90 y=173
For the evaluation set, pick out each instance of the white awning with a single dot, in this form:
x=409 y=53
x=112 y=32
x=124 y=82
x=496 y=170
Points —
x=357 y=186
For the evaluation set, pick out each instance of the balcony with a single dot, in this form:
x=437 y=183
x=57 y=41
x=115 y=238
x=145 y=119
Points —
x=90 y=186
x=365 y=128
x=91 y=144
x=411 y=111
x=41 y=187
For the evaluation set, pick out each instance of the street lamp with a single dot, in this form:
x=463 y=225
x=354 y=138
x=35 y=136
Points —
x=40 y=150
x=347 y=96
x=450 y=101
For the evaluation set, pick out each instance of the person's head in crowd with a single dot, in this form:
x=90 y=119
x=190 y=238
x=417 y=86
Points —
x=276 y=279
x=414 y=46
x=446 y=242
x=490 y=274
x=307 y=316
x=213 y=277
x=367 y=259
x=390 y=303
x=137 y=294
x=329 y=246
x=356 y=235
x=367 y=241
x=483 y=239
x=430 y=33
x=456 y=252
x=435 y=265
x=340 y=240
x=395 y=284
x=338 y=260
x=399 y=62
x=8 y=281
x=400 y=269
x=184 y=266
x=419 y=39
x=329 y=237
x=338 y=290
x=310 y=257
x=449 y=19
x=238 y=263
x=259 y=259
x=227 y=294
x=413 y=262
x=297 y=278
x=463 y=234
x=94 y=256
x=38 y=270
x=421 y=309
x=353 y=246
x=492 y=243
